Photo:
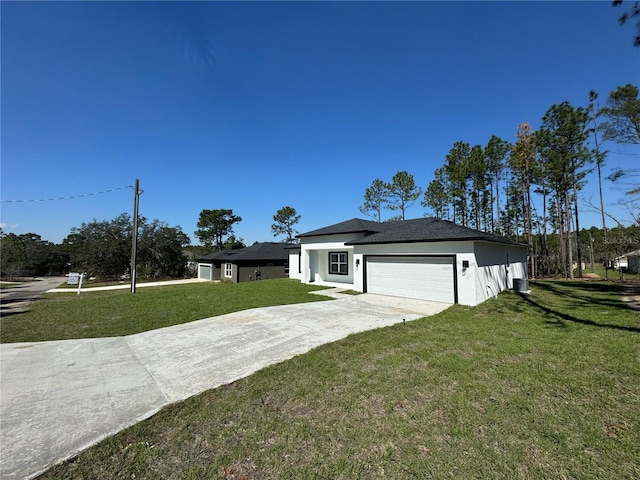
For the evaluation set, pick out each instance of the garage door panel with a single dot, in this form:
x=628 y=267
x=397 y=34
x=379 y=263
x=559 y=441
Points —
x=425 y=278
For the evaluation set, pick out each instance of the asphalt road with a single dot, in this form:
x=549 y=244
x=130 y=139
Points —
x=16 y=298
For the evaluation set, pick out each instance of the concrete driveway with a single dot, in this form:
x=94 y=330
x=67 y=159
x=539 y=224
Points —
x=58 y=398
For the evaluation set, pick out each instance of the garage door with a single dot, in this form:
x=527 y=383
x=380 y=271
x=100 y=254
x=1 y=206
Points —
x=425 y=278
x=204 y=272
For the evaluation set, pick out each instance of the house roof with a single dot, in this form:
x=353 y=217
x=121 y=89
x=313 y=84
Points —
x=355 y=225
x=260 y=251
x=408 y=231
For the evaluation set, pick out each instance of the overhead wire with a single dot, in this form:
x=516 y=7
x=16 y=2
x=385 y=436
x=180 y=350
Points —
x=68 y=197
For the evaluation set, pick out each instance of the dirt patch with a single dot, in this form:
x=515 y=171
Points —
x=592 y=276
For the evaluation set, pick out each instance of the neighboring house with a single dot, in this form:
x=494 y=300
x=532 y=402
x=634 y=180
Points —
x=425 y=258
x=257 y=262
x=620 y=263
x=633 y=261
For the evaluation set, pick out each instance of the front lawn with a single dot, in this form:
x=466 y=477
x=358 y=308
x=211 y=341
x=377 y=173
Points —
x=61 y=316
x=534 y=386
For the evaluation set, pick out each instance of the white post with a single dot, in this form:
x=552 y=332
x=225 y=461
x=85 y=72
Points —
x=80 y=282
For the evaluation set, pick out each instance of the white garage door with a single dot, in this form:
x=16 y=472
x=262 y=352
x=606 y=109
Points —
x=204 y=272
x=425 y=278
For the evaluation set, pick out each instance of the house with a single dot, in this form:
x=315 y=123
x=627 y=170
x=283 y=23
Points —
x=620 y=263
x=633 y=261
x=424 y=258
x=257 y=262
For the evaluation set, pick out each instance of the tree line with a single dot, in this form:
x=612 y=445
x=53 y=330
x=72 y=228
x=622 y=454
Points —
x=103 y=249
x=491 y=188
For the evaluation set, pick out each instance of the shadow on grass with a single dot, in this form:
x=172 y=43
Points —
x=584 y=292
x=574 y=294
x=15 y=306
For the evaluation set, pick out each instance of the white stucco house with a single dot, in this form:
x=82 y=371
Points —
x=424 y=258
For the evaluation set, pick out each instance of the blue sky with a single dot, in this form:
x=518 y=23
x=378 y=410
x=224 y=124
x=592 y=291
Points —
x=256 y=105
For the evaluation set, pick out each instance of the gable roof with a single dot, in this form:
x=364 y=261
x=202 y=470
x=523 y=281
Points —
x=266 y=251
x=408 y=231
x=355 y=225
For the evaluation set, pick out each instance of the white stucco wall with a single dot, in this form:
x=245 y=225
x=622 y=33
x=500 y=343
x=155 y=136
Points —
x=461 y=250
x=315 y=259
x=294 y=265
x=497 y=266
x=485 y=276
x=487 y=273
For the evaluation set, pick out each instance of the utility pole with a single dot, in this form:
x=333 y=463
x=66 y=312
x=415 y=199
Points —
x=134 y=236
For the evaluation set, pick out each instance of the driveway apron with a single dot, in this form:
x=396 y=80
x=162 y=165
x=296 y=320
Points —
x=58 y=398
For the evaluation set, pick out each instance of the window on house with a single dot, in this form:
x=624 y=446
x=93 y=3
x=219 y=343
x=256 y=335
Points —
x=227 y=270
x=338 y=263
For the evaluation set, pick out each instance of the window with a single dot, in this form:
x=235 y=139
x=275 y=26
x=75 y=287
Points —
x=338 y=263
x=227 y=270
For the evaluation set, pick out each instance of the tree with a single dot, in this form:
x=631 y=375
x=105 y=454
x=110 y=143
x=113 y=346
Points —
x=101 y=248
x=598 y=154
x=285 y=219
x=477 y=171
x=633 y=12
x=214 y=225
x=161 y=250
x=375 y=197
x=456 y=169
x=233 y=243
x=622 y=111
x=436 y=197
x=28 y=255
x=403 y=191
x=562 y=138
x=523 y=164
x=496 y=153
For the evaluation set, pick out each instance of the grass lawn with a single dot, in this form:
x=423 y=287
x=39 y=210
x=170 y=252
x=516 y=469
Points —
x=534 y=386
x=119 y=312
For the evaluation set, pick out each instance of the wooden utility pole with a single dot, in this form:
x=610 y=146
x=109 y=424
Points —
x=134 y=236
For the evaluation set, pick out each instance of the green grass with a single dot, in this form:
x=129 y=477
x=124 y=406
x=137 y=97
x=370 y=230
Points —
x=119 y=312
x=613 y=274
x=534 y=386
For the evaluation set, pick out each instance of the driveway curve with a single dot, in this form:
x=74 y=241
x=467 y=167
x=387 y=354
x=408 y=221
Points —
x=60 y=397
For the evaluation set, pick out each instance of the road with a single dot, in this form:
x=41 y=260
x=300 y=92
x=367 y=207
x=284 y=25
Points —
x=16 y=298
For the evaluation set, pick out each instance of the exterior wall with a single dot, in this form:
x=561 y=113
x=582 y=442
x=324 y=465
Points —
x=485 y=275
x=247 y=272
x=234 y=273
x=460 y=250
x=315 y=259
x=497 y=266
x=294 y=265
x=633 y=263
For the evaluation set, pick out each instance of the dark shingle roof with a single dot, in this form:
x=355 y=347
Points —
x=355 y=225
x=427 y=230
x=259 y=251
x=407 y=231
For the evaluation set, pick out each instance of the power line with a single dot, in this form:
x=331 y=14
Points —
x=68 y=197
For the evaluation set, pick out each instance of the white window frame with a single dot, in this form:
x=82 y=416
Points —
x=228 y=270
x=338 y=263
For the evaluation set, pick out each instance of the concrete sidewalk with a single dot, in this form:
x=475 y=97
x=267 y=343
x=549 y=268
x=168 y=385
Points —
x=127 y=285
x=60 y=397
